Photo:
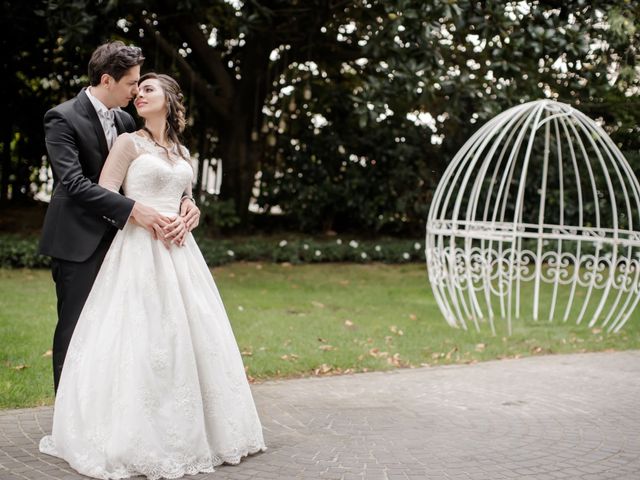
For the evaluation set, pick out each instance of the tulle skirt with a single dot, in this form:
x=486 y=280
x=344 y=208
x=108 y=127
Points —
x=153 y=383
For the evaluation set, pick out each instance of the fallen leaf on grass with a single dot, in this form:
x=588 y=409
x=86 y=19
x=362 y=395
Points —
x=451 y=352
x=376 y=353
x=289 y=357
x=508 y=357
x=326 y=348
x=412 y=316
x=395 y=360
x=596 y=331
x=348 y=323
x=48 y=353
x=20 y=367
x=396 y=330
x=323 y=369
x=250 y=379
x=480 y=347
x=317 y=304
x=246 y=353
x=344 y=282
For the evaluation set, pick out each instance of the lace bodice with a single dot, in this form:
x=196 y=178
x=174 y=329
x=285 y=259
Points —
x=148 y=173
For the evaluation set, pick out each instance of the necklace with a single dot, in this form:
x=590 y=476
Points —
x=153 y=139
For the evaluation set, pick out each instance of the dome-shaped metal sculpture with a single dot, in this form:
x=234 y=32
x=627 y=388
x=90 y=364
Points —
x=539 y=210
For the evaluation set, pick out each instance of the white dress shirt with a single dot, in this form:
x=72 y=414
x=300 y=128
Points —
x=106 y=117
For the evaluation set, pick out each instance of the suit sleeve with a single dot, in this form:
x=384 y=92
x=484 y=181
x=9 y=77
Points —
x=65 y=162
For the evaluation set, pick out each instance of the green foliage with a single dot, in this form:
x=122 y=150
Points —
x=16 y=252
x=370 y=165
x=217 y=215
x=309 y=250
x=401 y=85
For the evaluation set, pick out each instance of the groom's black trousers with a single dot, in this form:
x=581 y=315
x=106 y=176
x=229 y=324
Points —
x=73 y=284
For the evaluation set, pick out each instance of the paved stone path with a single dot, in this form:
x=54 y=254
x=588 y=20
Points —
x=552 y=417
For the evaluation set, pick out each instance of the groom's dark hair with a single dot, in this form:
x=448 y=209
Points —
x=113 y=58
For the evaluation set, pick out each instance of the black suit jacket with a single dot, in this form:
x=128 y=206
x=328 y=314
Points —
x=81 y=212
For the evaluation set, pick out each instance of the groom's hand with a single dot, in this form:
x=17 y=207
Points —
x=151 y=220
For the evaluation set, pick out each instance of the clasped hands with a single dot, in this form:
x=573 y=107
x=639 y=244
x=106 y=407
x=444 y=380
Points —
x=169 y=230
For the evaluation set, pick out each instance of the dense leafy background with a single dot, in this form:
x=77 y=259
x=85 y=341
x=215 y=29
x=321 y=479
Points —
x=343 y=114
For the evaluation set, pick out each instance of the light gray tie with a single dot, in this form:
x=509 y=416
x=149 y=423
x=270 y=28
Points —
x=109 y=126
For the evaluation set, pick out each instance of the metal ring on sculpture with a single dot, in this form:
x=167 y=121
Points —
x=538 y=202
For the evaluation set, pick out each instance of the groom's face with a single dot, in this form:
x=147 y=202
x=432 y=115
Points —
x=125 y=89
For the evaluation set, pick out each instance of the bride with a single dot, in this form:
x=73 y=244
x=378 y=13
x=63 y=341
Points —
x=153 y=382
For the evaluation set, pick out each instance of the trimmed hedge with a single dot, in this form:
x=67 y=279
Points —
x=21 y=252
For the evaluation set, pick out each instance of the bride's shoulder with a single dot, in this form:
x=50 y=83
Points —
x=127 y=142
x=126 y=137
x=184 y=152
x=136 y=138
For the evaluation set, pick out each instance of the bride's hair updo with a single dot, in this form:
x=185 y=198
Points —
x=176 y=112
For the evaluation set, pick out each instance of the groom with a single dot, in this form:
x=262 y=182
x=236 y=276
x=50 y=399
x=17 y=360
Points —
x=82 y=217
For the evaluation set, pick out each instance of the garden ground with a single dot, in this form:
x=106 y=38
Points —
x=551 y=417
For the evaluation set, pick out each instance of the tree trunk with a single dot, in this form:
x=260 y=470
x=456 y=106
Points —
x=240 y=154
x=6 y=161
x=237 y=178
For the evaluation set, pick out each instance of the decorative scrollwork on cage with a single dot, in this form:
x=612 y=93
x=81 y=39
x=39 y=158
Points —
x=539 y=203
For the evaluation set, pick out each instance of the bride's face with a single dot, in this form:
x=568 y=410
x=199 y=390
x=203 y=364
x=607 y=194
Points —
x=151 y=101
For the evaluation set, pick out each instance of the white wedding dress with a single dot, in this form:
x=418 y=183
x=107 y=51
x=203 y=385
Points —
x=153 y=382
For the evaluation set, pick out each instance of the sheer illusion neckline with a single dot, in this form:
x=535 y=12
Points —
x=171 y=153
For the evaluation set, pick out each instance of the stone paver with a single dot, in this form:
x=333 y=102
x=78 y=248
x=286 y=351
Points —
x=573 y=417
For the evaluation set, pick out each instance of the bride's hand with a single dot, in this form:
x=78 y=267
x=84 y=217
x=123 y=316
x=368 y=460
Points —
x=181 y=237
x=159 y=235
x=176 y=231
x=190 y=213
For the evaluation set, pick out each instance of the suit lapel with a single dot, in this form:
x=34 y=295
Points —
x=92 y=115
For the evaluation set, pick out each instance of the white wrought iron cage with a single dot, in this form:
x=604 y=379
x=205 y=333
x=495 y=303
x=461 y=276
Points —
x=539 y=203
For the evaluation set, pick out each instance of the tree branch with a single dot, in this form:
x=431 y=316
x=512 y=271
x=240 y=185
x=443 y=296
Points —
x=220 y=105
x=208 y=59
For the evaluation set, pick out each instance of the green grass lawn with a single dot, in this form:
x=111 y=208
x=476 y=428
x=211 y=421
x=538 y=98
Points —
x=302 y=320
